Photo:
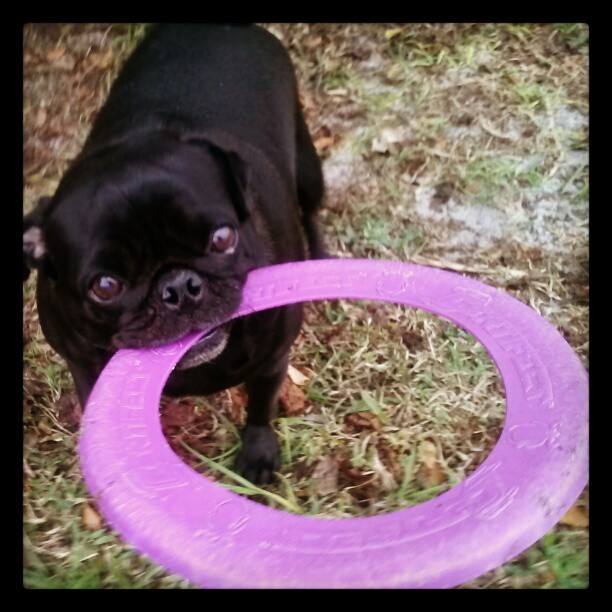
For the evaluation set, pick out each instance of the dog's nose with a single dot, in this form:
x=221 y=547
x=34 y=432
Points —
x=179 y=288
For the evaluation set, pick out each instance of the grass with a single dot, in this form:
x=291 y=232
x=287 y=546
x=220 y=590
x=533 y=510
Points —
x=478 y=108
x=576 y=34
x=488 y=179
x=559 y=561
x=391 y=383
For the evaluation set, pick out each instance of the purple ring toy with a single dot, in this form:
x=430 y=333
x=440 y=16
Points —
x=216 y=538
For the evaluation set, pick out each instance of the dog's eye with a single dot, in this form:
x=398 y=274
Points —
x=105 y=288
x=224 y=240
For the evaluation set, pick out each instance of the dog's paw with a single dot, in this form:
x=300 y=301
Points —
x=258 y=459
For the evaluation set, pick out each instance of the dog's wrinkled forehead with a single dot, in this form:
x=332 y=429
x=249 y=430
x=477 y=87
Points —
x=122 y=213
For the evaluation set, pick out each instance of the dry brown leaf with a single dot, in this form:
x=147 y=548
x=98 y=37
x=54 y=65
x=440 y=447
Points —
x=60 y=59
x=292 y=398
x=69 y=410
x=430 y=473
x=91 y=519
x=363 y=487
x=30 y=439
x=85 y=92
x=325 y=476
x=547 y=576
x=28 y=58
x=55 y=54
x=576 y=516
x=296 y=376
x=239 y=396
x=412 y=340
x=239 y=401
x=473 y=188
x=44 y=427
x=324 y=142
x=41 y=117
x=396 y=72
x=389 y=139
x=313 y=41
x=442 y=144
x=101 y=60
x=488 y=127
x=306 y=101
x=178 y=413
x=363 y=420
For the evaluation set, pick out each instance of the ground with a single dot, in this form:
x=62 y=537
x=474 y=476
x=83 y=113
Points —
x=452 y=145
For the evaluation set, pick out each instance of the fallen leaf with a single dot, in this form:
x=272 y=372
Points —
x=44 y=427
x=576 y=516
x=396 y=72
x=28 y=58
x=442 y=144
x=91 y=519
x=30 y=439
x=377 y=313
x=85 y=92
x=393 y=32
x=60 y=59
x=325 y=138
x=55 y=54
x=313 y=41
x=488 y=127
x=387 y=482
x=239 y=396
x=180 y=412
x=292 y=398
x=296 y=376
x=307 y=101
x=324 y=142
x=69 y=410
x=430 y=473
x=547 y=576
x=41 y=117
x=473 y=188
x=389 y=138
x=325 y=476
x=415 y=165
x=412 y=340
x=66 y=63
x=363 y=420
x=363 y=487
x=101 y=60
x=443 y=192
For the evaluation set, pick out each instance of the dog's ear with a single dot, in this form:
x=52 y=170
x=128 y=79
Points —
x=237 y=176
x=236 y=172
x=34 y=248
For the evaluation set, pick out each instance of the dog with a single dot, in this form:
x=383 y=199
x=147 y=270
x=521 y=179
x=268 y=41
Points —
x=198 y=169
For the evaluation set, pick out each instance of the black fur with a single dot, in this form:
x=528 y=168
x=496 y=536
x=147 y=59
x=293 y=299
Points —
x=202 y=128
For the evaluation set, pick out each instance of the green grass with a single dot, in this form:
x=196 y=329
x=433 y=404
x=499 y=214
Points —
x=390 y=380
x=559 y=560
x=59 y=552
x=125 y=42
x=576 y=34
x=490 y=179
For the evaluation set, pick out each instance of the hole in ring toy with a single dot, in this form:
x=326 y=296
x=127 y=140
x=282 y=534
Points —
x=216 y=538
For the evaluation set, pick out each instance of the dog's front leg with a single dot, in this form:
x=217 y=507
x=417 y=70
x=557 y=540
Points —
x=258 y=459
x=84 y=380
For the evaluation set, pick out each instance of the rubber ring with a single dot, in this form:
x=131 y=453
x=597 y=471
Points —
x=216 y=538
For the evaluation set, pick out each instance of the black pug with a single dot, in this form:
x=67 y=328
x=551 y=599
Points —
x=198 y=169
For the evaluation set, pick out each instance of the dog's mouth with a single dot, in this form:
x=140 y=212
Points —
x=207 y=348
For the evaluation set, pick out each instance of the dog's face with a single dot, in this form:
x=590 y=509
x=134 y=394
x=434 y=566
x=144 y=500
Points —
x=148 y=241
